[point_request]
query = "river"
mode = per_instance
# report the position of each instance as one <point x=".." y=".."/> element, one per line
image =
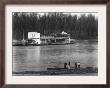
<point x="39" y="58"/>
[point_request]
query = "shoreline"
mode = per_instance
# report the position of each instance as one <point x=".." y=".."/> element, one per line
<point x="21" y="44"/>
<point x="41" y="44"/>
<point x="61" y="71"/>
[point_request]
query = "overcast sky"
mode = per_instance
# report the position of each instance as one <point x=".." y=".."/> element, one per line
<point x="72" y="13"/>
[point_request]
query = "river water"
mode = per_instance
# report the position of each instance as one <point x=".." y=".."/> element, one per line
<point x="39" y="58"/>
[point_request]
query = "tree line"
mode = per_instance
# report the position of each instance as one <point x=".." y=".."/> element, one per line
<point x="79" y="27"/>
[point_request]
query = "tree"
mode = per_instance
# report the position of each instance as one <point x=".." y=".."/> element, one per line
<point x="83" y="27"/>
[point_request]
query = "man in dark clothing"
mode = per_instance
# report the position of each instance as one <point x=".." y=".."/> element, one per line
<point x="65" y="65"/>
<point x="75" y="65"/>
<point x="69" y="63"/>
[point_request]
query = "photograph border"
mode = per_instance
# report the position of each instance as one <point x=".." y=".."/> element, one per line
<point x="3" y="3"/>
<point x="57" y="79"/>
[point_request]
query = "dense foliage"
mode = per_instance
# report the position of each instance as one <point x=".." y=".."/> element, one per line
<point x="79" y="27"/>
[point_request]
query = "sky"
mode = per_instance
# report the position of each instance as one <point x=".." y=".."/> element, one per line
<point x="72" y="13"/>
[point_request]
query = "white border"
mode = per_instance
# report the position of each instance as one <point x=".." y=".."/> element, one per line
<point x="100" y="79"/>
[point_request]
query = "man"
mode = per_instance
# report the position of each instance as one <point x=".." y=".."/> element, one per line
<point x="65" y="65"/>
